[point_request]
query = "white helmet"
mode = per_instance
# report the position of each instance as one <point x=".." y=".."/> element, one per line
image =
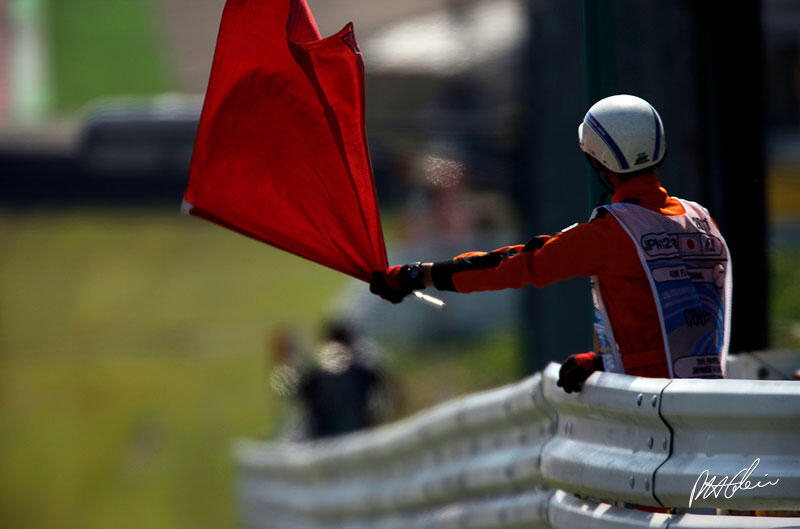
<point x="624" y="133"/>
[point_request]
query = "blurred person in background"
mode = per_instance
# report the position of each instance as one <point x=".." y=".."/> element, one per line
<point x="342" y="390"/>
<point x="659" y="268"/>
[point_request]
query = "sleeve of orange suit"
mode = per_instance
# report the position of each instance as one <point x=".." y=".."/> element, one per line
<point x="584" y="250"/>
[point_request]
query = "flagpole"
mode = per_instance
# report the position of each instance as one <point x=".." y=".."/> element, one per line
<point x="430" y="301"/>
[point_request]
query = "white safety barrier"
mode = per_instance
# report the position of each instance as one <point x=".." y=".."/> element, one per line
<point x="654" y="441"/>
<point x="468" y="460"/>
<point x="492" y="460"/>
<point x="744" y="429"/>
<point x="565" y="511"/>
<point x="610" y="439"/>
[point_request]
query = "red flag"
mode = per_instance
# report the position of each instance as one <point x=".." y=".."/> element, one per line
<point x="281" y="152"/>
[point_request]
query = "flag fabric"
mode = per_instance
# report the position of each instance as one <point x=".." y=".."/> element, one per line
<point x="281" y="152"/>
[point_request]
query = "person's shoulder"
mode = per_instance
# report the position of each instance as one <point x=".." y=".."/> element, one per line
<point x="602" y="219"/>
<point x="675" y="206"/>
<point x="604" y="228"/>
<point x="600" y="235"/>
<point x="599" y="213"/>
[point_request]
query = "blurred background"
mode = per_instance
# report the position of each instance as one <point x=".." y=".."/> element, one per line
<point x="137" y="343"/>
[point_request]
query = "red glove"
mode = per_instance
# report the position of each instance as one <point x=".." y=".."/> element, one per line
<point x="577" y="368"/>
<point x="396" y="282"/>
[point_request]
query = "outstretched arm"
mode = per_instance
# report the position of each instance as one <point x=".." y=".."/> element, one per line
<point x="585" y="250"/>
<point x="507" y="267"/>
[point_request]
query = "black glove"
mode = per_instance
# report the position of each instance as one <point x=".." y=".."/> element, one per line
<point x="577" y="368"/>
<point x="396" y="282"/>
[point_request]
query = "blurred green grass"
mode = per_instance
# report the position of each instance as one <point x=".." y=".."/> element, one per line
<point x="102" y="47"/>
<point x="785" y="298"/>
<point x="132" y="353"/>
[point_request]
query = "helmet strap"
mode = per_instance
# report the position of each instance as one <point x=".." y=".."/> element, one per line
<point x="599" y="170"/>
<point x="609" y="189"/>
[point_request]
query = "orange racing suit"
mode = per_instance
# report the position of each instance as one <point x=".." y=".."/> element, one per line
<point x="600" y="248"/>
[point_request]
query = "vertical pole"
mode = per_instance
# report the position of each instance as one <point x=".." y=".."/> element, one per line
<point x="600" y="77"/>
<point x="599" y="39"/>
<point x="731" y="95"/>
<point x="556" y="320"/>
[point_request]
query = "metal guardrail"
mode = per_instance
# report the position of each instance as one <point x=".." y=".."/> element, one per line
<point x="489" y="460"/>
<point x="610" y="439"/>
<point x="725" y="427"/>
<point x="659" y="442"/>
<point x="432" y="466"/>
<point x="566" y="511"/>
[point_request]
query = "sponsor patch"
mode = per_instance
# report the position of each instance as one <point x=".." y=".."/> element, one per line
<point x="655" y="244"/>
<point x="686" y="244"/>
